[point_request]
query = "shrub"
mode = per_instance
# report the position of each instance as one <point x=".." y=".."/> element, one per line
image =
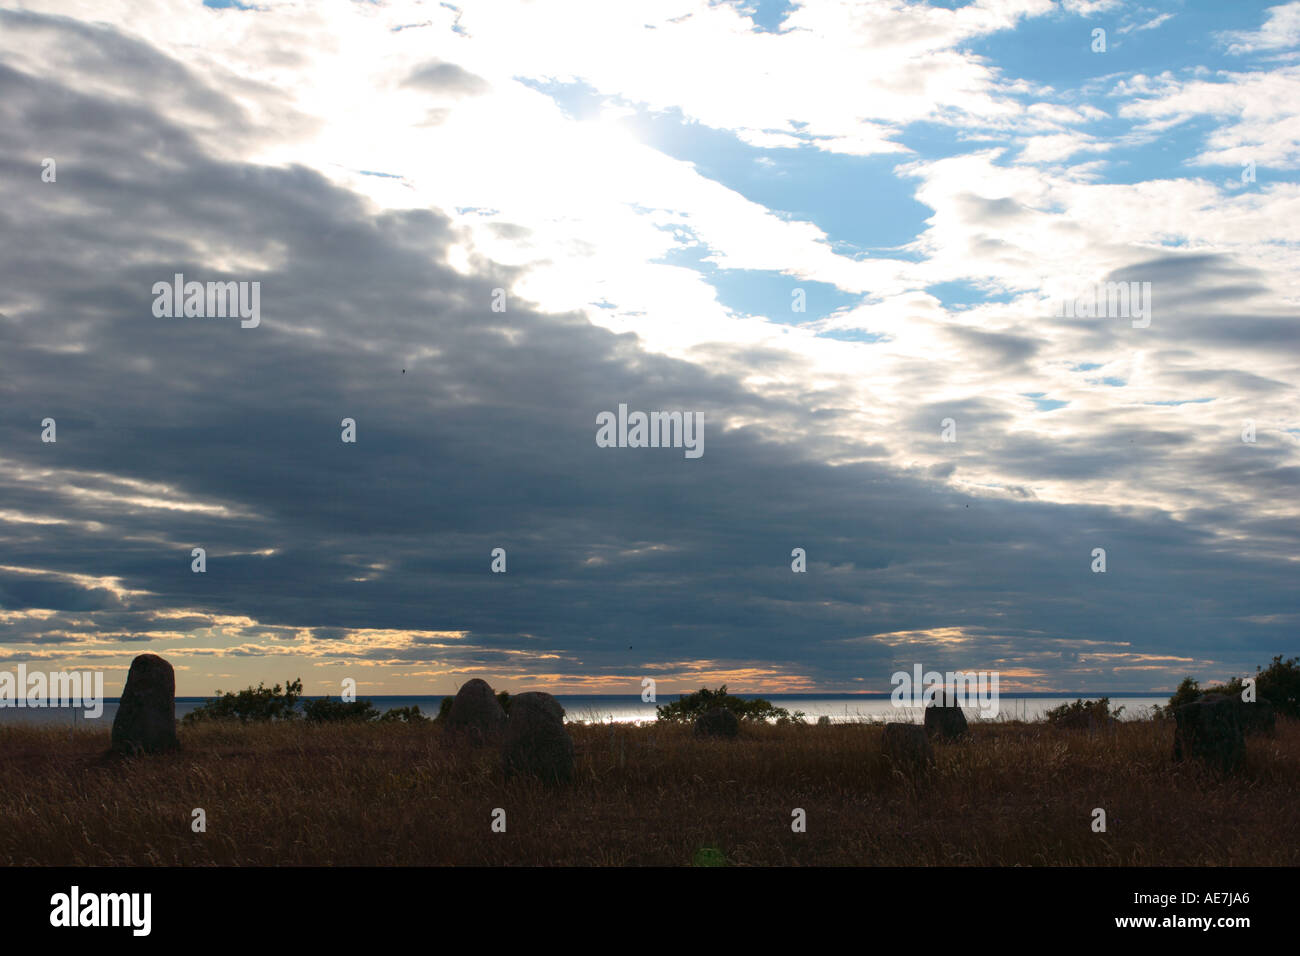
<point x="690" y="706"/>
<point x="406" y="715"/>
<point x="326" y="710"/>
<point x="1279" y="684"/>
<point x="1188" y="692"/>
<point x="1083" y="714"/>
<point x="252" y="703"/>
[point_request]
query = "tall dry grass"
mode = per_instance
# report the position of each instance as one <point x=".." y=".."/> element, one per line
<point x="296" y="794"/>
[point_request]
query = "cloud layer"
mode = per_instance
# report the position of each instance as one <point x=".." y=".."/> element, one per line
<point x="381" y="209"/>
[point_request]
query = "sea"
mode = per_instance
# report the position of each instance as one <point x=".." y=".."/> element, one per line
<point x="631" y="709"/>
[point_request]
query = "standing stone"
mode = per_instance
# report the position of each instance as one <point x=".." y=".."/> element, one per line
<point x="945" y="721"/>
<point x="536" y="741"/>
<point x="908" y="745"/>
<point x="1258" y="717"/>
<point x="1210" y="729"/>
<point x="476" y="714"/>
<point x="718" y="722"/>
<point x="146" y="717"/>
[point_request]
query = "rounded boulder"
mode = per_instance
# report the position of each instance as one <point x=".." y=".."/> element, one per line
<point x="476" y="713"/>
<point x="907" y="745"/>
<point x="536" y="741"/>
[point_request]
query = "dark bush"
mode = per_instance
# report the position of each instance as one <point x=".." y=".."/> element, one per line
<point x="406" y="715"/>
<point x="326" y="710"/>
<point x="1278" y="685"/>
<point x="687" y="708"/>
<point x="718" y="722"/>
<point x="444" y="707"/>
<point x="1188" y="691"/>
<point x="252" y="703"/>
<point x="1083" y="714"/>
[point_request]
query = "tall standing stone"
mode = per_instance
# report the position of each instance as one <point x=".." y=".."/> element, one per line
<point x="146" y="717"/>
<point x="946" y="721"/>
<point x="536" y="740"/>
<point x="1210" y="729"/>
<point x="1258" y="717"/>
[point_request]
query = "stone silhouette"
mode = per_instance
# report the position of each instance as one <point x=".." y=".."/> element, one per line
<point x="475" y="713"/>
<point x="946" y="721"/>
<point x="1258" y="717"/>
<point x="908" y="745"/>
<point x="146" y="717"/>
<point x="718" y="722"/>
<point x="536" y="741"/>
<point x="1210" y="729"/>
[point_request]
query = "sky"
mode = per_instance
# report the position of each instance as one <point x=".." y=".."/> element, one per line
<point x="851" y="236"/>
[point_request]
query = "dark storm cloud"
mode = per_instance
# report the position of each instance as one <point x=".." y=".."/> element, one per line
<point x="183" y="433"/>
<point x="21" y="592"/>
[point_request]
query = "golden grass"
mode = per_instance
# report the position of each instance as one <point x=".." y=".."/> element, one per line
<point x="296" y="794"/>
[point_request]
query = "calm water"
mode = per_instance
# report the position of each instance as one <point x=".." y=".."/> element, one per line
<point x="840" y="708"/>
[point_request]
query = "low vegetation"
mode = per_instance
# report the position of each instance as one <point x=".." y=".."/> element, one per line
<point x="688" y="707"/>
<point x="288" y="781"/>
<point x="294" y="792"/>
<point x="1083" y="715"/>
<point x="1278" y="684"/>
<point x="261" y="704"/>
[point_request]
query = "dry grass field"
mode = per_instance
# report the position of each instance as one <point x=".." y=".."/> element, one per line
<point x="298" y="794"/>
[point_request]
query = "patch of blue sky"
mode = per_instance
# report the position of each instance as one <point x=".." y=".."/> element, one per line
<point x="1171" y="154"/>
<point x="1085" y="367"/>
<point x="1184" y="401"/>
<point x="762" y="292"/>
<point x="768" y="15"/>
<point x="962" y="293"/>
<point x="1110" y="380"/>
<point x="931" y="139"/>
<point x="1140" y="157"/>
<point x="858" y="201"/>
<point x="576" y="100"/>
<point x="1044" y="404"/>
<point x="1057" y="49"/>
<point x="853" y="335"/>
<point x="228" y="5"/>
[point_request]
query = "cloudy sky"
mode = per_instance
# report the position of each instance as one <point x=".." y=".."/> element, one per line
<point x="657" y="187"/>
